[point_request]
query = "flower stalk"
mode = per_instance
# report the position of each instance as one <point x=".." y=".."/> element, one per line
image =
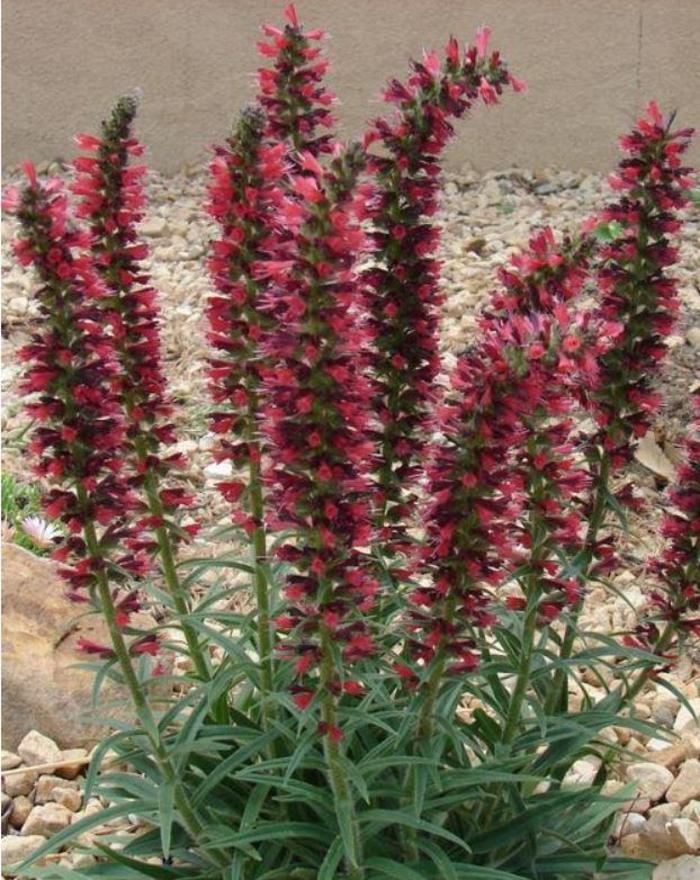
<point x="111" y="200"/>
<point x="401" y="288"/>
<point x="638" y="294"/>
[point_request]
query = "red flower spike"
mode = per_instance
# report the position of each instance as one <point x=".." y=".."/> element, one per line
<point x="112" y="200"/>
<point x="316" y="389"/>
<point x="238" y="201"/>
<point x="402" y="288"/>
<point x="293" y="106"/>
<point x="292" y="94"/>
<point x="652" y="185"/>
<point x="78" y="443"/>
<point x="506" y="457"/>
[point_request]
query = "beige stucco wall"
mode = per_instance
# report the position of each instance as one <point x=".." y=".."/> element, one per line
<point x="590" y="65"/>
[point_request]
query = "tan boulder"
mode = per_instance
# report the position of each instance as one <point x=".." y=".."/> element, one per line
<point x="69" y="798"/>
<point x="45" y="785"/>
<point x="652" y="779"/>
<point x="9" y="760"/>
<point x="42" y="688"/>
<point x="70" y="771"/>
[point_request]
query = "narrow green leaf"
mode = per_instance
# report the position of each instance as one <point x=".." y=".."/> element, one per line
<point x="331" y="861"/>
<point x="382" y="818"/>
<point x="345" y="817"/>
<point x="390" y="868"/>
<point x="269" y="831"/>
<point x="143" y="868"/>
<point x="439" y="859"/>
<point x="240" y="756"/>
<point x="63" y="837"/>
<point x="479" y="872"/>
<point x="166" y="805"/>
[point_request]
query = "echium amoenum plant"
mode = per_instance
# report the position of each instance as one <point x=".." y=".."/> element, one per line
<point x="390" y="696"/>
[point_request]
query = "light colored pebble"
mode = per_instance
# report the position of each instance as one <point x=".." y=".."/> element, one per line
<point x="21" y="809"/>
<point x="684" y="718"/>
<point x="20" y="783"/>
<point x="70" y="771"/>
<point x="68" y="797"/>
<point x="16" y="848"/>
<point x="47" y="820"/>
<point x="682" y="868"/>
<point x="45" y="786"/>
<point x="686" y="786"/>
<point x="36" y="748"/>
<point x="10" y="760"/>
<point x="652" y="780"/>
<point x="154" y="227"/>
<point x="684" y="836"/>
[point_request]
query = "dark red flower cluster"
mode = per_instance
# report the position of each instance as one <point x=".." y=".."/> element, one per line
<point x="636" y="289"/>
<point x="504" y="484"/>
<point x="111" y="200"/>
<point x="678" y="568"/>
<point x="292" y="94"/>
<point x="316" y="412"/>
<point x="72" y="374"/>
<point x="402" y="287"/>
<point x="540" y="286"/>
<point x="237" y="201"/>
<point x="292" y="106"/>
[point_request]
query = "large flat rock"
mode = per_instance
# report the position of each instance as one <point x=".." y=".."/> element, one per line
<point x="42" y="688"/>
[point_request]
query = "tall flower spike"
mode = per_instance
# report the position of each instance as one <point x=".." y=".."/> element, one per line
<point x="73" y="370"/>
<point x="242" y="173"/>
<point x="237" y="201"/>
<point x="540" y="286"/>
<point x="502" y="483"/>
<point x="402" y="286"/>
<point x="316" y="418"/>
<point x="296" y="103"/>
<point x="292" y="105"/>
<point x="111" y="200"/>
<point x="636" y="289"/>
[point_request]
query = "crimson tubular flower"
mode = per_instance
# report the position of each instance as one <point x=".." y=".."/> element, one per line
<point x="316" y="418"/>
<point x="111" y="200"/>
<point x="72" y="372"/>
<point x="402" y="287"/>
<point x="636" y="290"/>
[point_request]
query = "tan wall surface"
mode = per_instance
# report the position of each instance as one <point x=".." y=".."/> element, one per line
<point x="591" y="65"/>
